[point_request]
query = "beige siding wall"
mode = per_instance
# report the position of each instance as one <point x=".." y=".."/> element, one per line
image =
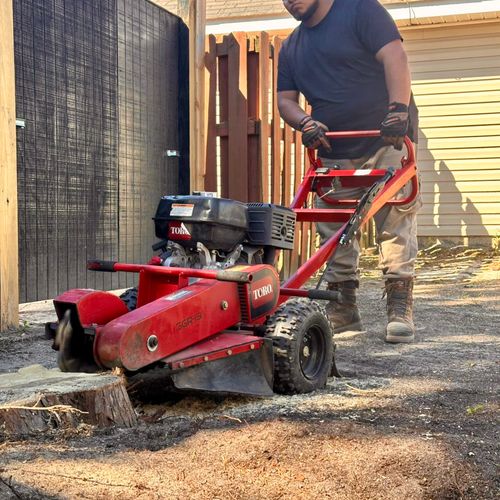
<point x="456" y="75"/>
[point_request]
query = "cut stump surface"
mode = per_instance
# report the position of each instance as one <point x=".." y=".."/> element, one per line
<point x="36" y="399"/>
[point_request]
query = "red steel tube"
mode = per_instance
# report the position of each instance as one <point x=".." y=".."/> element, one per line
<point x="238" y="277"/>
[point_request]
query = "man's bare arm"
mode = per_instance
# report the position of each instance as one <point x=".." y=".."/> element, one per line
<point x="397" y="72"/>
<point x="398" y="82"/>
<point x="290" y="111"/>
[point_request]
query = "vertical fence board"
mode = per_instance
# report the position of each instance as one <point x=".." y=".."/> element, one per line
<point x="237" y="123"/>
<point x="223" y="116"/>
<point x="286" y="180"/>
<point x="211" y="152"/>
<point x="265" y="130"/>
<point x="304" y="241"/>
<point x="286" y="186"/>
<point x="297" y="177"/>
<point x="276" y="130"/>
<point x="312" y="240"/>
<point x="254" y="175"/>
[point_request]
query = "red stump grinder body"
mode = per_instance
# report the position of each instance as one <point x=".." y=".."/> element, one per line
<point x="211" y="309"/>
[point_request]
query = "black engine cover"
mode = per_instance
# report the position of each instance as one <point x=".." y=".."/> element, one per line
<point x="218" y="223"/>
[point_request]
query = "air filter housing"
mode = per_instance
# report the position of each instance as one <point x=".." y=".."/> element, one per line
<point x="271" y="225"/>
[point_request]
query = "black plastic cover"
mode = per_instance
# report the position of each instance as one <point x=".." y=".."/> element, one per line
<point x="218" y="223"/>
<point x="271" y="225"/>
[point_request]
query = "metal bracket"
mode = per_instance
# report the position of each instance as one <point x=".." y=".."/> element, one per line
<point x="172" y="153"/>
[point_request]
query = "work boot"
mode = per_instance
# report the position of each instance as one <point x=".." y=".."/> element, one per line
<point x="344" y="316"/>
<point x="400" y="326"/>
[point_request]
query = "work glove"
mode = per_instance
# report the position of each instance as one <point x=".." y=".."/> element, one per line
<point x="395" y="125"/>
<point x="313" y="134"/>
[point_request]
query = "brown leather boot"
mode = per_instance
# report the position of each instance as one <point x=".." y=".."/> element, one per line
<point x="344" y="316"/>
<point x="400" y="326"/>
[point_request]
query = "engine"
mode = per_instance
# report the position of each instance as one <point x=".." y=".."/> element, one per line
<point x="206" y="232"/>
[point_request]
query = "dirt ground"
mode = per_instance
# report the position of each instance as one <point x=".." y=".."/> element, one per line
<point x="416" y="421"/>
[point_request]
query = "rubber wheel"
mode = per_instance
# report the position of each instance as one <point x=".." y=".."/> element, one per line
<point x="129" y="297"/>
<point x="303" y="346"/>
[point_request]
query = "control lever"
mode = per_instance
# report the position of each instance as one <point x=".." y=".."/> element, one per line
<point x="364" y="205"/>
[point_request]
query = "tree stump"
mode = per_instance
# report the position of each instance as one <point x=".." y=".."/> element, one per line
<point x="36" y="399"/>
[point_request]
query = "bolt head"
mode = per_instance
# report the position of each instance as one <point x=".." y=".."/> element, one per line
<point x="152" y="343"/>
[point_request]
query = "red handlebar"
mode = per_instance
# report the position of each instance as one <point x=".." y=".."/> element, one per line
<point x="350" y="134"/>
<point x="353" y="133"/>
<point x="405" y="161"/>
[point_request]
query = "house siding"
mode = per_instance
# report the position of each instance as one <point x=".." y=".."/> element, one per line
<point x="456" y="82"/>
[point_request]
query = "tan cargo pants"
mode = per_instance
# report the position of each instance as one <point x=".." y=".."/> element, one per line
<point x="396" y="226"/>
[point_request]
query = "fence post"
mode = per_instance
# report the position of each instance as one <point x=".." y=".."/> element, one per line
<point x="9" y="270"/>
<point x="193" y="13"/>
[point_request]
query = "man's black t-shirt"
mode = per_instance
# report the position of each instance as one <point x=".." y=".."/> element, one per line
<point x="333" y="64"/>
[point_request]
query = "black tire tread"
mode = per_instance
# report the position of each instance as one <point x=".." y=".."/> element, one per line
<point x="129" y="297"/>
<point x="284" y="328"/>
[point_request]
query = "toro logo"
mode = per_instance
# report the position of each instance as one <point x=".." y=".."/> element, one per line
<point x="262" y="291"/>
<point x="178" y="231"/>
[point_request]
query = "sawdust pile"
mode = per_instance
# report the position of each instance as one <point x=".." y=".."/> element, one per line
<point x="266" y="460"/>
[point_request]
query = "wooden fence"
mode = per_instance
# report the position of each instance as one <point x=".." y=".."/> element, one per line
<point x="252" y="155"/>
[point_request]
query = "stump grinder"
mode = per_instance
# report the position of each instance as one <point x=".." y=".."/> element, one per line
<point x="210" y="308"/>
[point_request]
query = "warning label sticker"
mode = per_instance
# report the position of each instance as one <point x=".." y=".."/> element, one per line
<point x="181" y="210"/>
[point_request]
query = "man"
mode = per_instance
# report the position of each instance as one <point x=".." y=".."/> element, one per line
<point x="347" y="58"/>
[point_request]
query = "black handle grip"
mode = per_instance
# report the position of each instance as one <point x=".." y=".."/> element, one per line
<point x="107" y="266"/>
<point x="324" y="295"/>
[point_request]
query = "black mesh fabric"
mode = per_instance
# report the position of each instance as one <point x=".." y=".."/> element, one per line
<point x="97" y="82"/>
